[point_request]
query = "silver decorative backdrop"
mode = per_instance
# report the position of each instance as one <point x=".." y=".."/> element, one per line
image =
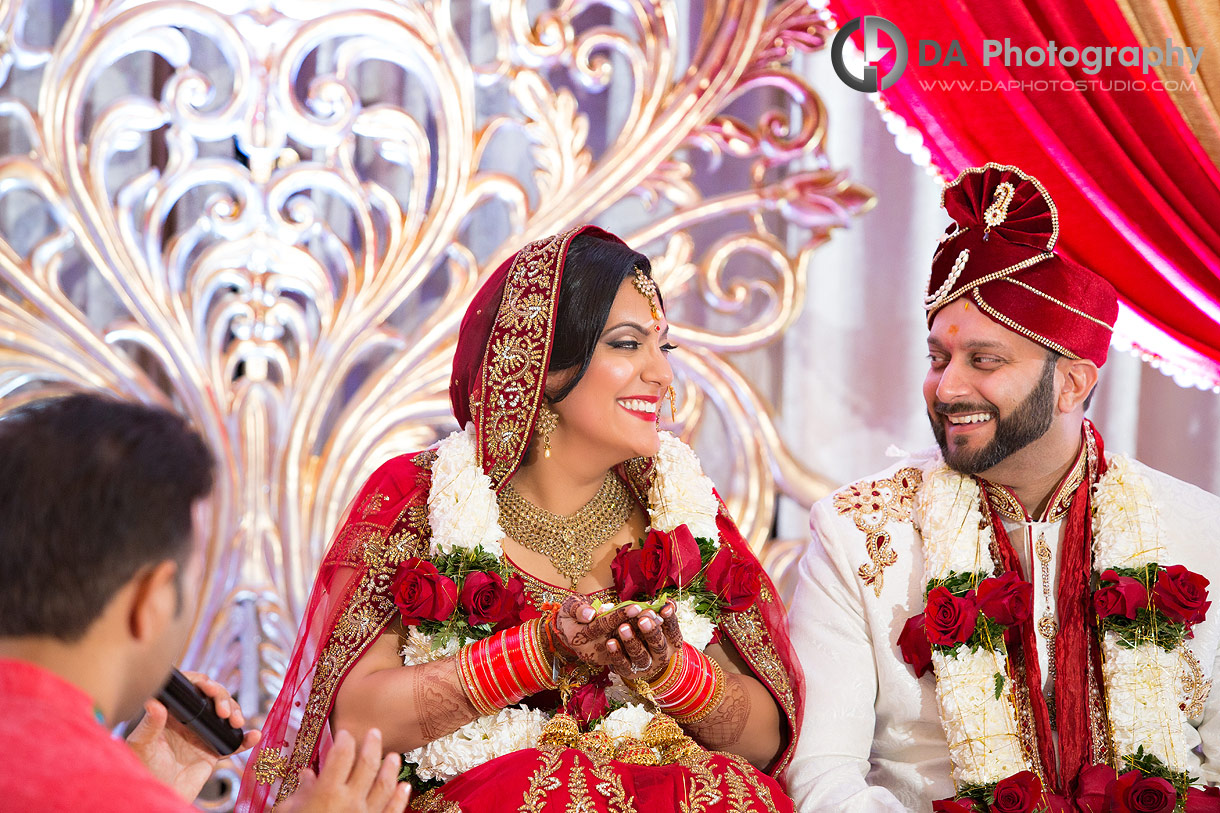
<point x="269" y="215"/>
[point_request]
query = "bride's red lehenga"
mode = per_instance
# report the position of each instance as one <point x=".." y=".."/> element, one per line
<point x="498" y="373"/>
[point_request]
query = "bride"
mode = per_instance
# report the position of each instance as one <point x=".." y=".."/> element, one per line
<point x="550" y="606"/>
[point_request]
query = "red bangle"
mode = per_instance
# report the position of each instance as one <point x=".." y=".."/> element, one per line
<point x="690" y="687"/>
<point x="499" y="671"/>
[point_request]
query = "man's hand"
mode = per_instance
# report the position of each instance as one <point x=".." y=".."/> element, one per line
<point x="351" y="782"/>
<point x="172" y="753"/>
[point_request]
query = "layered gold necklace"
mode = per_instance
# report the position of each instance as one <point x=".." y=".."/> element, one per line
<point x="568" y="542"/>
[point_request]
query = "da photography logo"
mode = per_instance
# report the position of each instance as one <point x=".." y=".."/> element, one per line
<point x="874" y="50"/>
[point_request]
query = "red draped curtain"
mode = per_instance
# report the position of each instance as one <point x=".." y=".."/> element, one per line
<point x="1129" y="152"/>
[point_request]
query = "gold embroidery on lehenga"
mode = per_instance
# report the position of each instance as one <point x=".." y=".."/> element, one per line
<point x="736" y="796"/>
<point x="761" y="791"/>
<point x="705" y="791"/>
<point x="610" y="786"/>
<point x="872" y="504"/>
<point x="543" y="781"/>
<point x="579" y="800"/>
<point x="434" y="801"/>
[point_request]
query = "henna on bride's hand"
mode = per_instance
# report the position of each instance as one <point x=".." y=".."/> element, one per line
<point x="633" y="648"/>
<point x="441" y="701"/>
<point x="725" y="725"/>
<point x="651" y="633"/>
<point x="670" y="625"/>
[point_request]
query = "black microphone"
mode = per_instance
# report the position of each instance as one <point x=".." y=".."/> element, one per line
<point x="194" y="709"/>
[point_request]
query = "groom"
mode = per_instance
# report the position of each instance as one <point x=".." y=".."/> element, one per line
<point x="1004" y="623"/>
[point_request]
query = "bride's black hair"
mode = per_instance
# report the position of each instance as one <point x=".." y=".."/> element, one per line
<point x="592" y="274"/>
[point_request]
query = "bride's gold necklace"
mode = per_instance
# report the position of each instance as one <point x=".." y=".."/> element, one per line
<point x="568" y="542"/>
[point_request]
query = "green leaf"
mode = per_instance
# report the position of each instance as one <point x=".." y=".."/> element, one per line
<point x="999" y="685"/>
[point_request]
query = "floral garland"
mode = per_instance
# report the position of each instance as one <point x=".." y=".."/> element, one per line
<point x="1145" y="612"/>
<point x="464" y="591"/>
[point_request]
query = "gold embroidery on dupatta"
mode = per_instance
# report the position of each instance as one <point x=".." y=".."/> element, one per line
<point x="514" y="361"/>
<point x="269" y="767"/>
<point x="872" y="504"/>
<point x="369" y="608"/>
<point x="749" y="634"/>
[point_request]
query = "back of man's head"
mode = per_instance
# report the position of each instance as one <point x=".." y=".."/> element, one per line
<point x="92" y="489"/>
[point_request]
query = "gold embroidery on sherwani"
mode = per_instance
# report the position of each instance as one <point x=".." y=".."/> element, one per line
<point x="872" y="504"/>
<point x="1196" y="687"/>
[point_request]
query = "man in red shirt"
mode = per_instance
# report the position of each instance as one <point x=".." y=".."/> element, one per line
<point x="101" y="507"/>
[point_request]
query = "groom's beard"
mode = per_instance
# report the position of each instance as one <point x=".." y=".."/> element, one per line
<point x="1029" y="421"/>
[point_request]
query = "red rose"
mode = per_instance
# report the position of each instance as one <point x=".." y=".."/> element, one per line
<point x="1006" y="599"/>
<point x="1123" y="597"/>
<point x="1136" y="793"/>
<point x="1093" y="790"/>
<point x="589" y="702"/>
<point x="489" y="600"/>
<point x="1181" y="594"/>
<point x="627" y="573"/>
<point x="1017" y="794"/>
<point x="670" y="559"/>
<point x="949" y="619"/>
<point x="421" y="593"/>
<point x="735" y="579"/>
<point x="955" y="806"/>
<point x="913" y="643"/>
<point x="1203" y="800"/>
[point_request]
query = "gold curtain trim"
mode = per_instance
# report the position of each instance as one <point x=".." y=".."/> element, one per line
<point x="1187" y="23"/>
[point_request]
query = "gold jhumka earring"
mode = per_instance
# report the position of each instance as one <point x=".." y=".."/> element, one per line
<point x="548" y="420"/>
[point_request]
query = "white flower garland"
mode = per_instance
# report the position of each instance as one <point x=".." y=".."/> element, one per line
<point x="980" y="728"/>
<point x="1143" y="684"/>
<point x="464" y="515"/>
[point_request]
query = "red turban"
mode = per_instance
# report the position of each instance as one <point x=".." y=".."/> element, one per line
<point x="1000" y="252"/>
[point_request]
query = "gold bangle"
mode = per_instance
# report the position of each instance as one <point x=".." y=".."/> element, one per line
<point x="673" y="672"/>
